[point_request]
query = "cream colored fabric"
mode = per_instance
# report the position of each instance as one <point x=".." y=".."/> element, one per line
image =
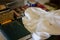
<point x="42" y="21"/>
<point x="30" y="19"/>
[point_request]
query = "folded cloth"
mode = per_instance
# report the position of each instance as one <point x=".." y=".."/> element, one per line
<point x="38" y="20"/>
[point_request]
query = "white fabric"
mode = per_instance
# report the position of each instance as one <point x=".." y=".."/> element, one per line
<point x="30" y="20"/>
<point x="37" y="20"/>
<point x="40" y="36"/>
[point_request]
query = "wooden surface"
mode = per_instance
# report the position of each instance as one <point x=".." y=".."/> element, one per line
<point x="6" y="16"/>
<point x="2" y="7"/>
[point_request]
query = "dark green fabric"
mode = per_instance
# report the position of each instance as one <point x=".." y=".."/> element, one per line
<point x="15" y="30"/>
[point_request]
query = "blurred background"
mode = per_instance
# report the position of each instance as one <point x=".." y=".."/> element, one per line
<point x="12" y="4"/>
